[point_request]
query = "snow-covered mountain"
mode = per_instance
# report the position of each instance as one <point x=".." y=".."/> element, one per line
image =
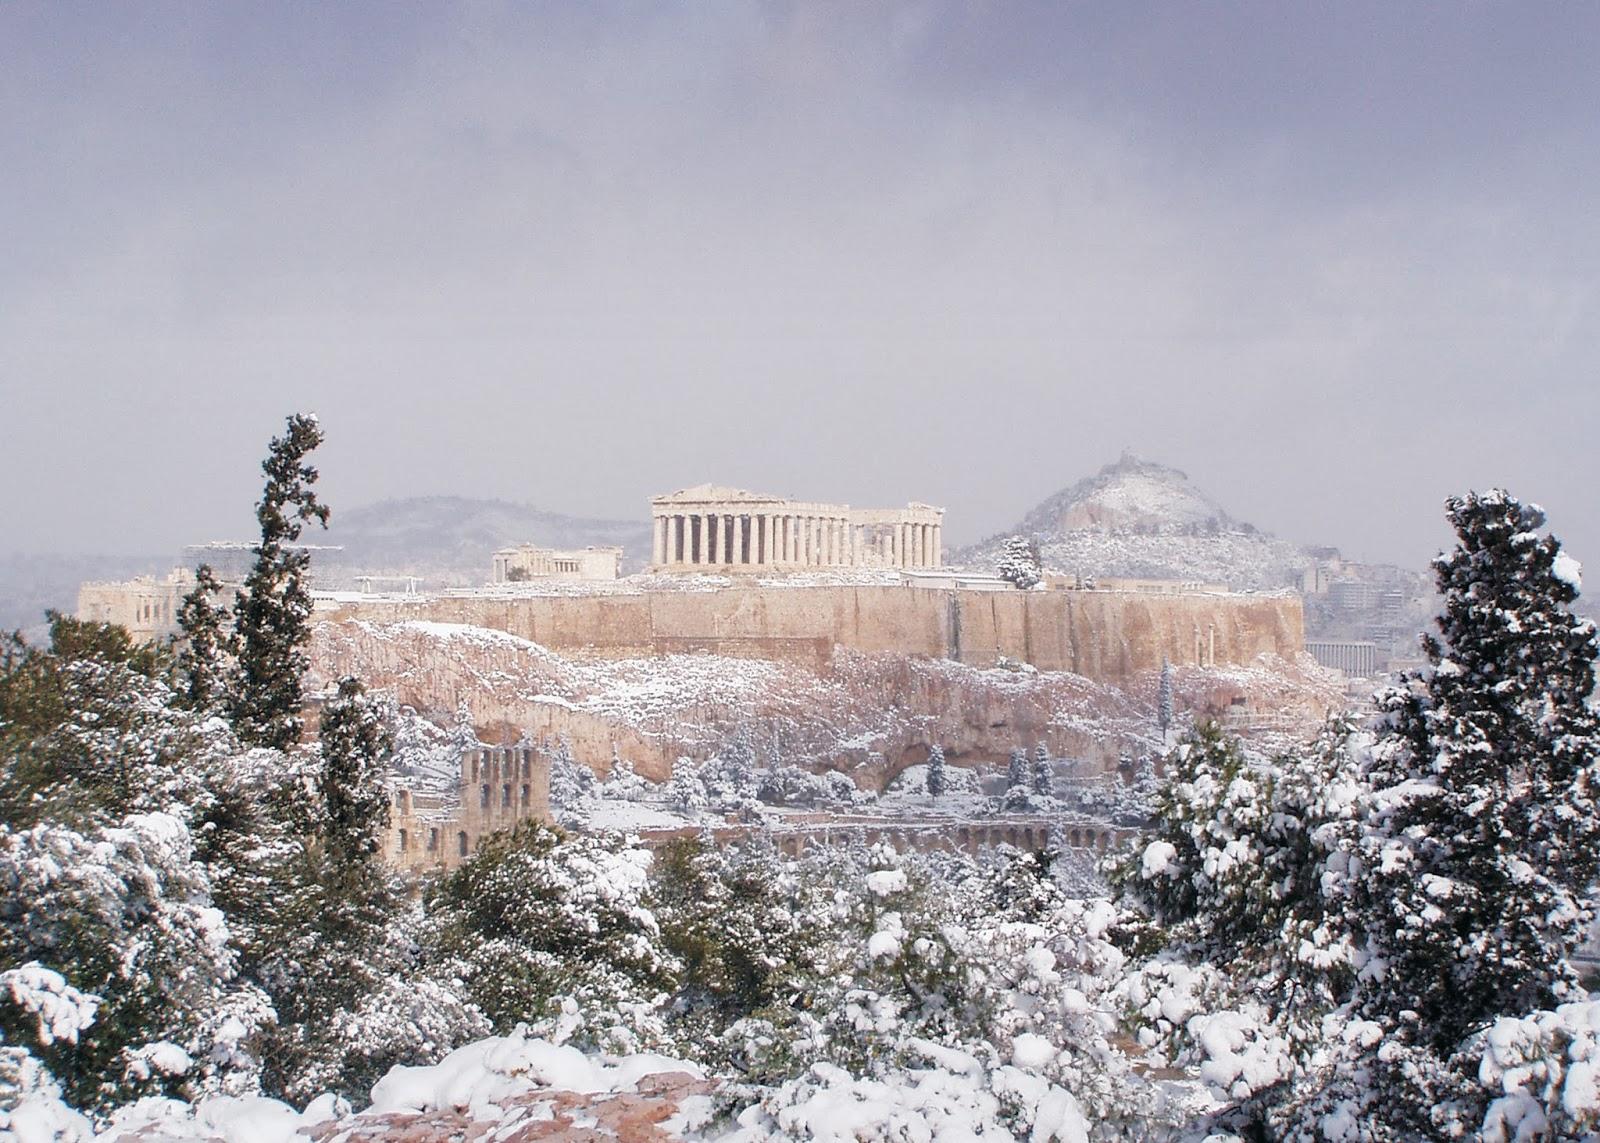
<point x="1136" y="518"/>
<point x="453" y="537"/>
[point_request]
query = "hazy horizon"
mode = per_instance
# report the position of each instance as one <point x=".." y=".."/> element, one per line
<point x="1335" y="264"/>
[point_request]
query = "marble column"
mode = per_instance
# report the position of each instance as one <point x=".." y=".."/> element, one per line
<point x="738" y="540"/>
<point x="938" y="545"/>
<point x="658" y="547"/>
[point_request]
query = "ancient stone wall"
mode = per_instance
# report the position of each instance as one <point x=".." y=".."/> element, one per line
<point x="1104" y="635"/>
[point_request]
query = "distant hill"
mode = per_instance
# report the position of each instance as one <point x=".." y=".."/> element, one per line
<point x="452" y="538"/>
<point x="1136" y="518"/>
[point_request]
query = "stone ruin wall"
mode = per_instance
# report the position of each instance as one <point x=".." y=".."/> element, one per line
<point x="1103" y="635"/>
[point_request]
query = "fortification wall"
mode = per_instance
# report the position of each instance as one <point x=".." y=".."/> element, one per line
<point x="1104" y="635"/>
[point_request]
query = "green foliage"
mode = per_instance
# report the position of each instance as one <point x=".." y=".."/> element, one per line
<point x="726" y="923"/>
<point x="272" y="612"/>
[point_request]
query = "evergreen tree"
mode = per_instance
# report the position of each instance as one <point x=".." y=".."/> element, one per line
<point x="1017" y="769"/>
<point x="1020" y="563"/>
<point x="1472" y="879"/>
<point x="355" y="748"/>
<point x="205" y="644"/>
<point x="1018" y="785"/>
<point x="272" y="612"/>
<point x="936" y="776"/>
<point x="1043" y="776"/>
<point x="1164" y="698"/>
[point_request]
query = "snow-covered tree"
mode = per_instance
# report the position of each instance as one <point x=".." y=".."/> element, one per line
<point x="554" y="930"/>
<point x="1486" y="828"/>
<point x="273" y="611"/>
<point x="356" y="746"/>
<point x="206" y="643"/>
<point x="1043" y="775"/>
<point x="1469" y="874"/>
<point x="1017" y="769"/>
<point x="128" y="985"/>
<point x="1020" y="563"/>
<point x="727" y="916"/>
<point x="685" y="791"/>
<point x="1233" y="865"/>
<point x="936" y="775"/>
<point x="570" y="783"/>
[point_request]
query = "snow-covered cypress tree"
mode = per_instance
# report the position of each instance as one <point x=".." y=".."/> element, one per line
<point x="272" y="612"/>
<point x="355" y="745"/>
<point x="205" y="645"/>
<point x="936" y="778"/>
<point x="1485" y="832"/>
<point x="1164" y="698"/>
<point x="1043" y="776"/>
<point x="1017" y="769"/>
<point x="1019" y="562"/>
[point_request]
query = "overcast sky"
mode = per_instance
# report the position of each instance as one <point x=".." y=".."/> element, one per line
<point x="1336" y="261"/>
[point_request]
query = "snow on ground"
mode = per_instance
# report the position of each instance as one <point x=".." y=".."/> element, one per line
<point x="512" y="1087"/>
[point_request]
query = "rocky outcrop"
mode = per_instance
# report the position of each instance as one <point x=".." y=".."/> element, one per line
<point x="868" y="715"/>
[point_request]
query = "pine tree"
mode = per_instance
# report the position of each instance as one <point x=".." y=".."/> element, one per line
<point x="1020" y="563"/>
<point x="1484" y="827"/>
<point x="272" y="612"/>
<point x="355" y="747"/>
<point x="1164" y="698"/>
<point x="1043" y="776"/>
<point x="936" y="776"/>
<point x="205" y="644"/>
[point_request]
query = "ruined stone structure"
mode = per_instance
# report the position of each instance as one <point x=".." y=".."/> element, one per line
<point x="1107" y="636"/>
<point x="146" y="606"/>
<point x="499" y="788"/>
<point x="732" y="530"/>
<point x="527" y="562"/>
<point x="1032" y="833"/>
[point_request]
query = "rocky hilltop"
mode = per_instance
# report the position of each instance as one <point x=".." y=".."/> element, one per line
<point x="1139" y="519"/>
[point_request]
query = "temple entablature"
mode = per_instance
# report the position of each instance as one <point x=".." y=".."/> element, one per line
<point x="729" y="529"/>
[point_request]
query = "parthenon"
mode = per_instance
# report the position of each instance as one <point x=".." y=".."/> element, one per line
<point x="708" y="526"/>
